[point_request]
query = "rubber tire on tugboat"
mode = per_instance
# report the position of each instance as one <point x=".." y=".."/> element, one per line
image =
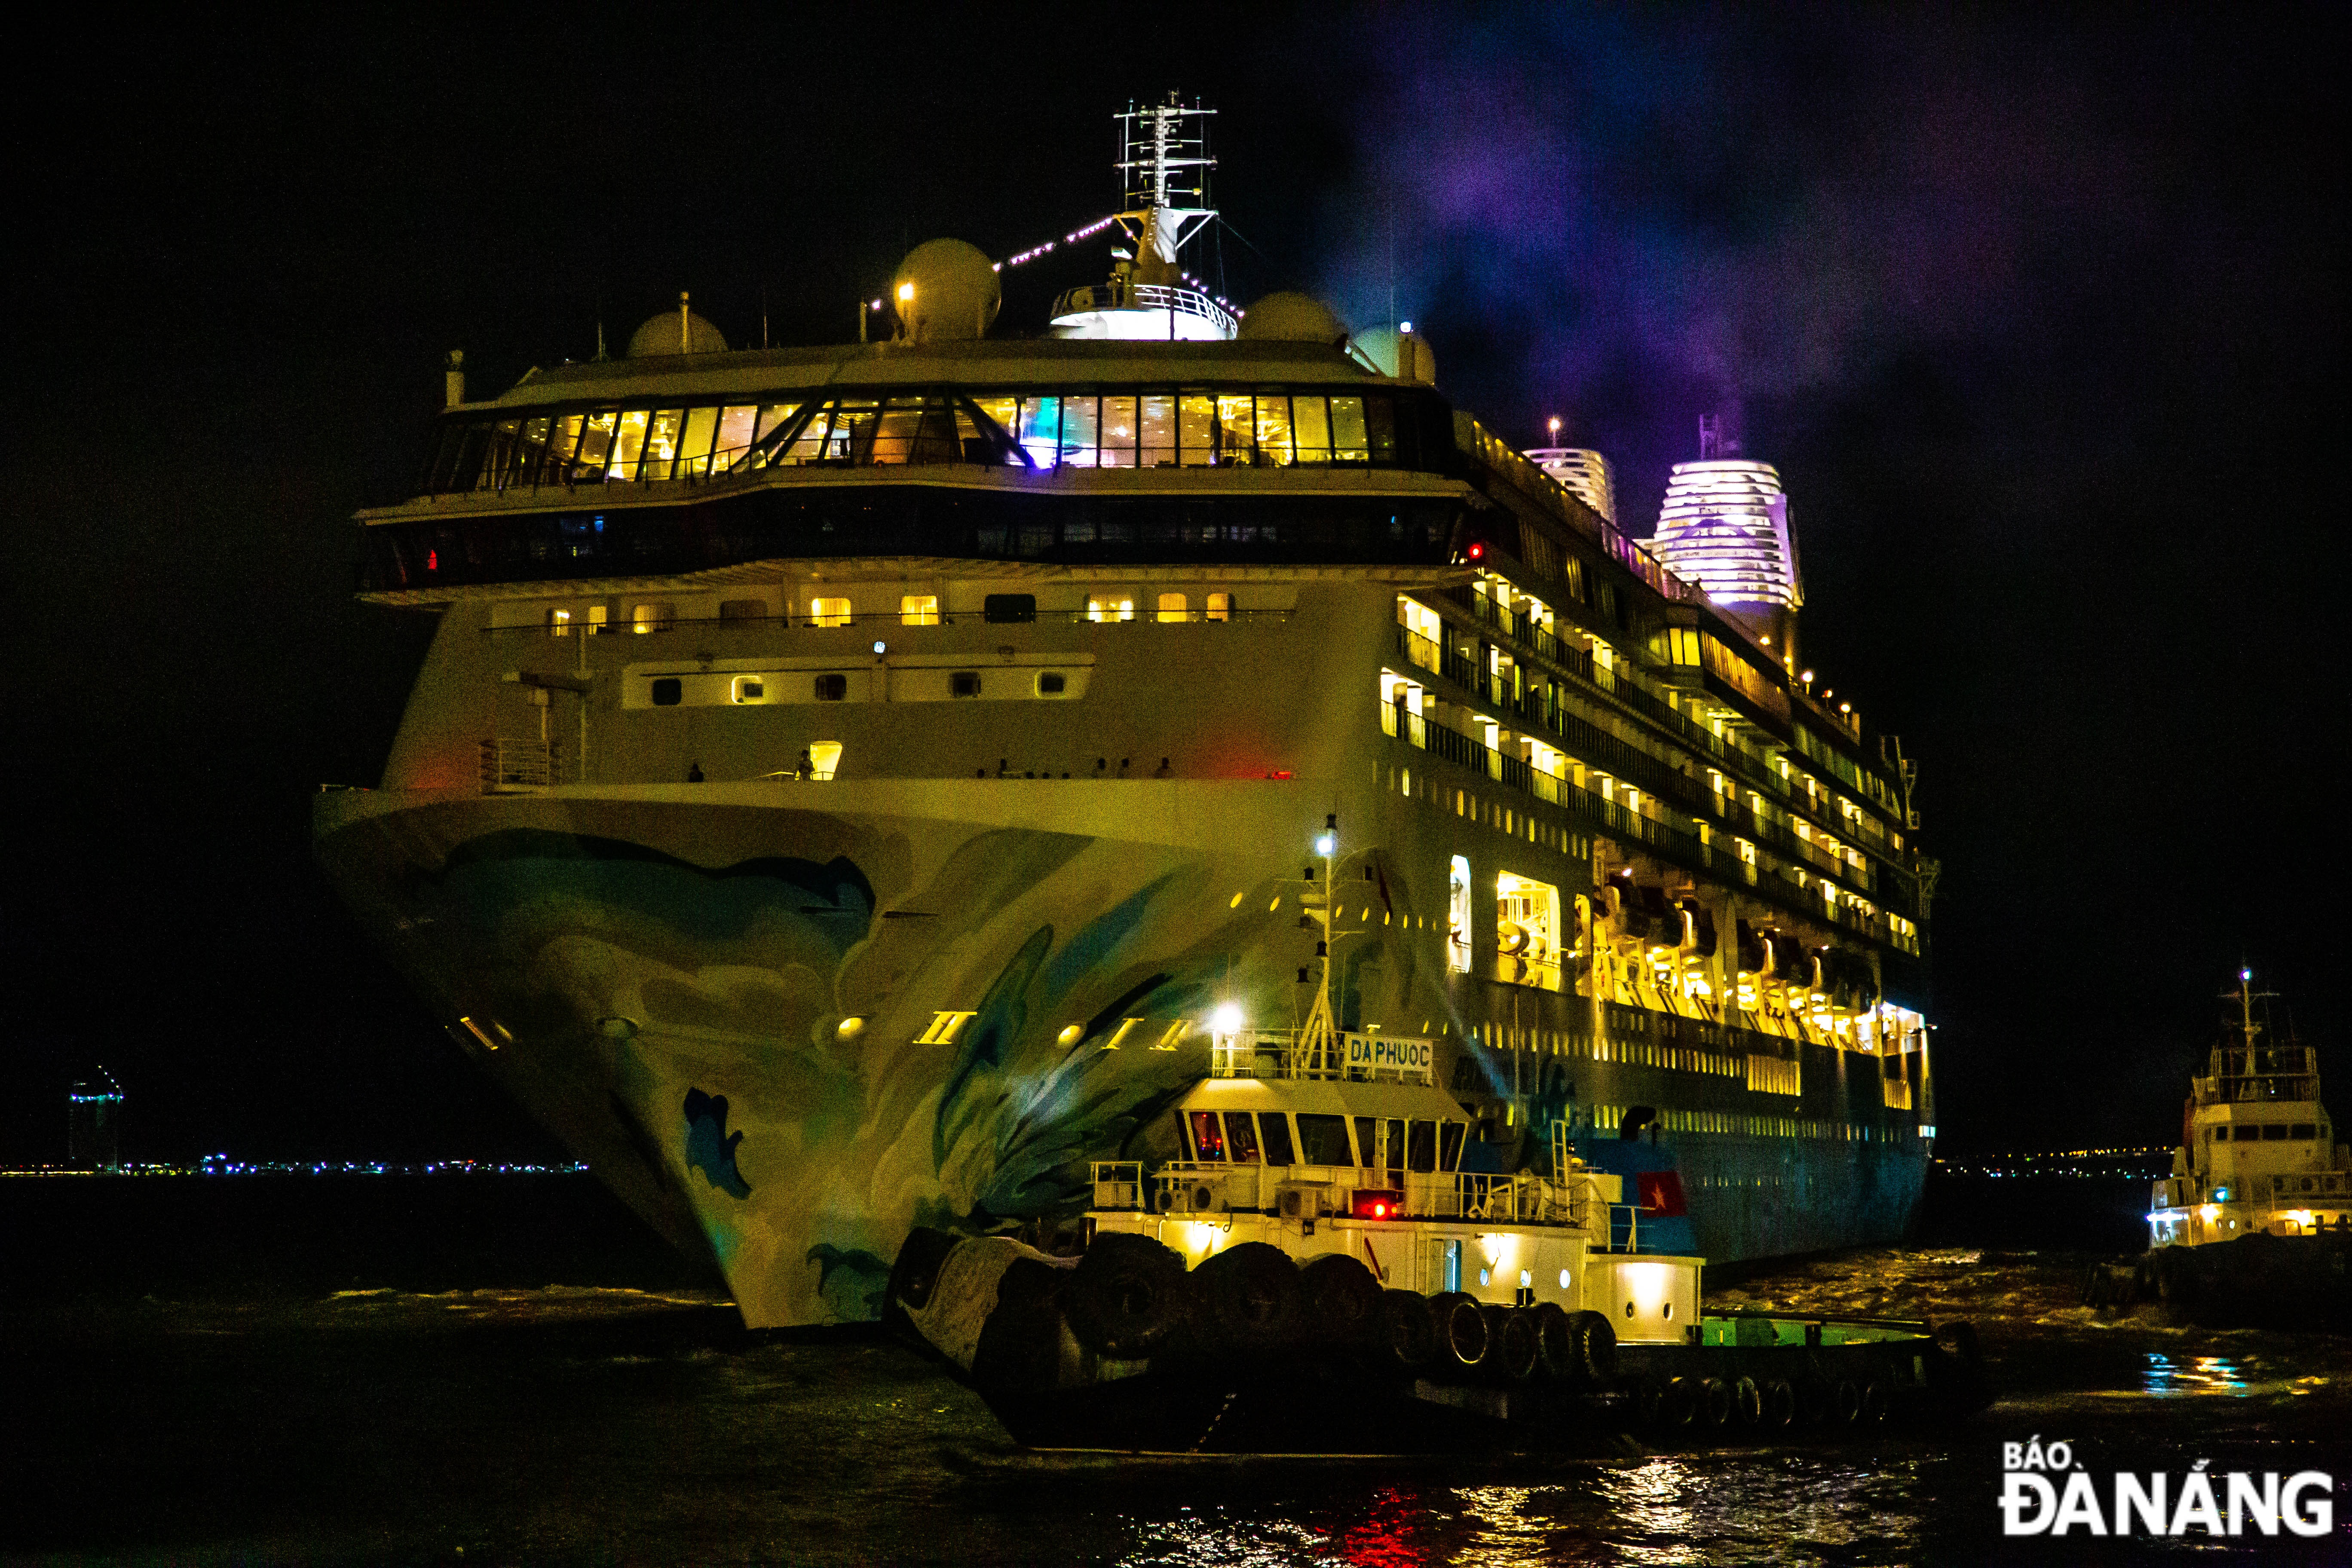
<point x="1874" y="1403"/>
<point x="1714" y="1403"/>
<point x="1020" y="1347"/>
<point x="1843" y="1406"/>
<point x="1555" y="1339"/>
<point x="1956" y="1366"/>
<point x="1343" y="1299"/>
<point x="1777" y="1411"/>
<point x="1458" y="1326"/>
<point x="1746" y="1403"/>
<point x="1127" y="1297"/>
<point x="1666" y="1409"/>
<point x="1516" y="1351"/>
<point x="1248" y="1298"/>
<point x="1596" y="1349"/>
<point x="1404" y="1335"/>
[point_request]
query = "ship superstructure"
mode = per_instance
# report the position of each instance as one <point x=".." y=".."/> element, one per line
<point x="2259" y="1154"/>
<point x="838" y="793"/>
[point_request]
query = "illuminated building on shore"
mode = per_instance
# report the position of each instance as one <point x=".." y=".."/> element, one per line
<point x="94" y="1124"/>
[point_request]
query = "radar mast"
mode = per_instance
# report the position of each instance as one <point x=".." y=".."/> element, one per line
<point x="1164" y="164"/>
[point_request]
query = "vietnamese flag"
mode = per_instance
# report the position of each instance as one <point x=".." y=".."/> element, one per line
<point x="1661" y="1192"/>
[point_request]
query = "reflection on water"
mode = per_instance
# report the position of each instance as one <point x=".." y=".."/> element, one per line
<point x="562" y="1424"/>
<point x="2169" y="1376"/>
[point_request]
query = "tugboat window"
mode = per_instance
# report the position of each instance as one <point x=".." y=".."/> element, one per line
<point x="1422" y="1146"/>
<point x="1323" y="1141"/>
<point x="1277" y="1128"/>
<point x="1208" y="1138"/>
<point x="1241" y="1137"/>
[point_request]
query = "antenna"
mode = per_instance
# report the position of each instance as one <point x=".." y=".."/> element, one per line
<point x="1710" y="436"/>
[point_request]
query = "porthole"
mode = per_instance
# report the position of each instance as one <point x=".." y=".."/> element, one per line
<point x="1669" y="1313"/>
<point x="1563" y="1279"/>
<point x="1628" y="1309"/>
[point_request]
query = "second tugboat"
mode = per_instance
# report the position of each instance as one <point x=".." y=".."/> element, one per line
<point x="2253" y="1226"/>
<point x="1336" y="1264"/>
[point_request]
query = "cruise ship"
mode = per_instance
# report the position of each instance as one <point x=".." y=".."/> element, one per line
<point x="847" y="782"/>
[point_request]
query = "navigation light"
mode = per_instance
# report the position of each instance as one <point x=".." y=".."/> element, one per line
<point x="1324" y="843"/>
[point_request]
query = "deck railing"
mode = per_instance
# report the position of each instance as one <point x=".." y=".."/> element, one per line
<point x="511" y="764"/>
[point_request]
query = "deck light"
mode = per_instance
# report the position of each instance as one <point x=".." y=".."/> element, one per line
<point x="906" y="293"/>
<point x="1325" y="842"/>
<point x="1226" y="1020"/>
<point x="881" y="648"/>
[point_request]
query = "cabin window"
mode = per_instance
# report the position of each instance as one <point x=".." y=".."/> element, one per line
<point x="964" y="683"/>
<point x="559" y="623"/>
<point x="1273" y="428"/>
<point x="742" y="609"/>
<point x="828" y="612"/>
<point x="2303" y="1130"/>
<point x="1348" y="441"/>
<point x="663" y="433"/>
<point x="628" y="444"/>
<point x="1236" y="430"/>
<point x="2275" y="1132"/>
<point x="1241" y="1137"/>
<point x="1323" y="1141"/>
<point x="667" y="690"/>
<point x="1008" y="608"/>
<point x="1310" y="427"/>
<point x="1196" y="426"/>
<point x="832" y="687"/>
<point x="1119" y="432"/>
<point x="918" y="610"/>
<point x="1208" y="1138"/>
<point x="1457" y="915"/>
<point x="651" y="617"/>
<point x="749" y="689"/>
<point x="1174" y="608"/>
<point x="734" y="434"/>
<point x="1052" y="683"/>
<point x="1221" y="607"/>
<point x="1449" y="1145"/>
<point x="1526" y="936"/>
<point x="1422" y="1146"/>
<point x="1158" y="427"/>
<point x="1111" y="606"/>
<point x="1277" y="1128"/>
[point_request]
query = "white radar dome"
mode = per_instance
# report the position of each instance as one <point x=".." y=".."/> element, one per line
<point x="679" y="331"/>
<point x="1399" y="352"/>
<point x="1289" y="317"/>
<point x="946" y="292"/>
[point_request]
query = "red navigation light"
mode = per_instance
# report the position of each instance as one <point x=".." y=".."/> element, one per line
<point x="1377" y="1205"/>
<point x="1477" y="550"/>
<point x="1279" y="773"/>
<point x="433" y="561"/>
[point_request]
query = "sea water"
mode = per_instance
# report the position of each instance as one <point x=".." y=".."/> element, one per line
<point x="508" y="1369"/>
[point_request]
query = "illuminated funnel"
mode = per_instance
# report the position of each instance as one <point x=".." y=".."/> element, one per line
<point x="1585" y="475"/>
<point x="1724" y="527"/>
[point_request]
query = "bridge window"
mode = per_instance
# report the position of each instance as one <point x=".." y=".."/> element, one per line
<point x="1118" y="426"/>
<point x="1277" y="1128"/>
<point x="1449" y="1144"/>
<point x="828" y="612"/>
<point x="1422" y="1146"/>
<point x="734" y="436"/>
<point x="1323" y="1141"/>
<point x="1208" y="1137"/>
<point x="1241" y="1137"/>
<point x="1157" y="425"/>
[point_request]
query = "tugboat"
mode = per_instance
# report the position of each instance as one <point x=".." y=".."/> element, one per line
<point x="1334" y="1263"/>
<point x="2254" y="1227"/>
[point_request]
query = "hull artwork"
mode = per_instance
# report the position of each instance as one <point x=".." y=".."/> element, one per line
<point x="800" y="1033"/>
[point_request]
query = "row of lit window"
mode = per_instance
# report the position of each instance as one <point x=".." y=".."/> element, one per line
<point x="914" y="610"/>
<point x="1191" y="429"/>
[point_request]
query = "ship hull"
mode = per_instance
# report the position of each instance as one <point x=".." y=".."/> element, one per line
<point x="786" y="1023"/>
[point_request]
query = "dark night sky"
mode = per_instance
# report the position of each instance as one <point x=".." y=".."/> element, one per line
<point x="2042" y="322"/>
